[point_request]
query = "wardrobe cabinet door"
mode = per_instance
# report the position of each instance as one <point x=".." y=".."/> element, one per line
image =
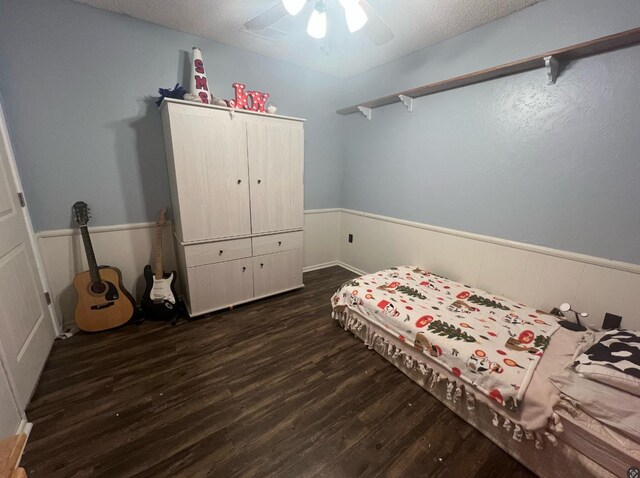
<point x="277" y="272"/>
<point x="219" y="285"/>
<point x="276" y="161"/>
<point x="210" y="173"/>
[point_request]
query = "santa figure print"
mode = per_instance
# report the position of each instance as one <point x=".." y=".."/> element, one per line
<point x="388" y="308"/>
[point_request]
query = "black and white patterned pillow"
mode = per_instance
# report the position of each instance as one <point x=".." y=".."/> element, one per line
<point x="614" y="360"/>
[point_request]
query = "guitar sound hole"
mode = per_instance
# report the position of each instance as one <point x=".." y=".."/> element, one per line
<point x="98" y="287"/>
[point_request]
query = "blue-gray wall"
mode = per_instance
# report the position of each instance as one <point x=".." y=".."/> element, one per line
<point x="78" y="86"/>
<point x="557" y="166"/>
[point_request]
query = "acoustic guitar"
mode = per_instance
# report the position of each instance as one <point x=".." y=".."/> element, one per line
<point x="103" y="302"/>
<point x="159" y="298"/>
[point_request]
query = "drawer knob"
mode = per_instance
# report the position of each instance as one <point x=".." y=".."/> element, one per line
<point x="279" y="243"/>
<point x="259" y="181"/>
<point x="220" y="253"/>
<point x="239" y="181"/>
<point x="261" y="265"/>
<point x="244" y="268"/>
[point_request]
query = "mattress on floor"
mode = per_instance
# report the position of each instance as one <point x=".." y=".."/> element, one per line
<point x="490" y="343"/>
<point x="593" y="447"/>
<point x="599" y="420"/>
<point x="612" y="450"/>
<point x="544" y="452"/>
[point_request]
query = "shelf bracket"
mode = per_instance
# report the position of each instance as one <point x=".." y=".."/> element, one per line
<point x="366" y="112"/>
<point x="407" y="101"/>
<point x="552" y="65"/>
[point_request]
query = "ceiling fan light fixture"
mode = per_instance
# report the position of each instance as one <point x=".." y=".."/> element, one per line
<point x="293" y="7"/>
<point x="354" y="14"/>
<point x="348" y="3"/>
<point x="317" y="26"/>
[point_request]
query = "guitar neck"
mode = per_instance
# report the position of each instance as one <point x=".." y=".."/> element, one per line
<point x="91" y="257"/>
<point x="159" y="271"/>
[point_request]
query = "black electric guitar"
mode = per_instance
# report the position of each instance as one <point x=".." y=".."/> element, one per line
<point x="103" y="302"/>
<point x="159" y="300"/>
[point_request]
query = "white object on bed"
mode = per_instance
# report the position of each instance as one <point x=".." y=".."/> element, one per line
<point x="613" y="360"/>
<point x="615" y="408"/>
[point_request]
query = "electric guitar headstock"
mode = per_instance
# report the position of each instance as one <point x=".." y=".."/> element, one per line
<point x="82" y="213"/>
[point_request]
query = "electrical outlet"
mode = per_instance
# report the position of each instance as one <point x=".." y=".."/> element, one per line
<point x="351" y="238"/>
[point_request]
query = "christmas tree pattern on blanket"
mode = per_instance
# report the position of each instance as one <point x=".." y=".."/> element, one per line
<point x="489" y="342"/>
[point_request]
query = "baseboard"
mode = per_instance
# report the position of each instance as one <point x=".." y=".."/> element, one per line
<point x="24" y="427"/>
<point x="351" y="268"/>
<point x="324" y="265"/>
<point x="333" y="264"/>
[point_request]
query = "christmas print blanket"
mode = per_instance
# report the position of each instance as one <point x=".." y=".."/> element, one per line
<point x="490" y="342"/>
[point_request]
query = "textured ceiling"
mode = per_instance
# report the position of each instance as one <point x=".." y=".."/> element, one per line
<point x="416" y="24"/>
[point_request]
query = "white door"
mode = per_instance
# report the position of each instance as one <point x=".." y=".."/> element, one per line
<point x="276" y="161"/>
<point x="10" y="415"/>
<point x="209" y="156"/>
<point x="26" y="328"/>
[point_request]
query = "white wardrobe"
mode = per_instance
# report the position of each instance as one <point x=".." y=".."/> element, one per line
<point x="237" y="196"/>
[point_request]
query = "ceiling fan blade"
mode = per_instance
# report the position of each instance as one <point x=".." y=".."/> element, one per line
<point x="267" y="18"/>
<point x="376" y="29"/>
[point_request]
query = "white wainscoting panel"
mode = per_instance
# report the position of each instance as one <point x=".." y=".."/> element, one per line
<point x="531" y="278"/>
<point x="127" y="247"/>
<point x="534" y="275"/>
<point x="321" y="238"/>
<point x="559" y="282"/>
<point x="458" y="258"/>
<point x="631" y="302"/>
<point x="537" y="276"/>
<point x="600" y="287"/>
<point x="502" y="270"/>
<point x="380" y="244"/>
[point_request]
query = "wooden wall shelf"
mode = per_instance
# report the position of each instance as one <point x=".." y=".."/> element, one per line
<point x="550" y="60"/>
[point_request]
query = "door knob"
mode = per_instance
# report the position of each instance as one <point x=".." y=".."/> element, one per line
<point x="220" y="253"/>
<point x="259" y="181"/>
<point x="244" y="268"/>
<point x="239" y="181"/>
<point x="279" y="243"/>
<point x="261" y="265"/>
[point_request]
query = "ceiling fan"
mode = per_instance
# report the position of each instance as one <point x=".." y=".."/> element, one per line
<point x="359" y="14"/>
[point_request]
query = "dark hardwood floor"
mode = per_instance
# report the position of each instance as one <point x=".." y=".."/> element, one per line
<point x="273" y="388"/>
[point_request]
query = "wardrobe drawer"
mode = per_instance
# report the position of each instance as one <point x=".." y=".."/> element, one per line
<point x="277" y="243"/>
<point x="212" y="252"/>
